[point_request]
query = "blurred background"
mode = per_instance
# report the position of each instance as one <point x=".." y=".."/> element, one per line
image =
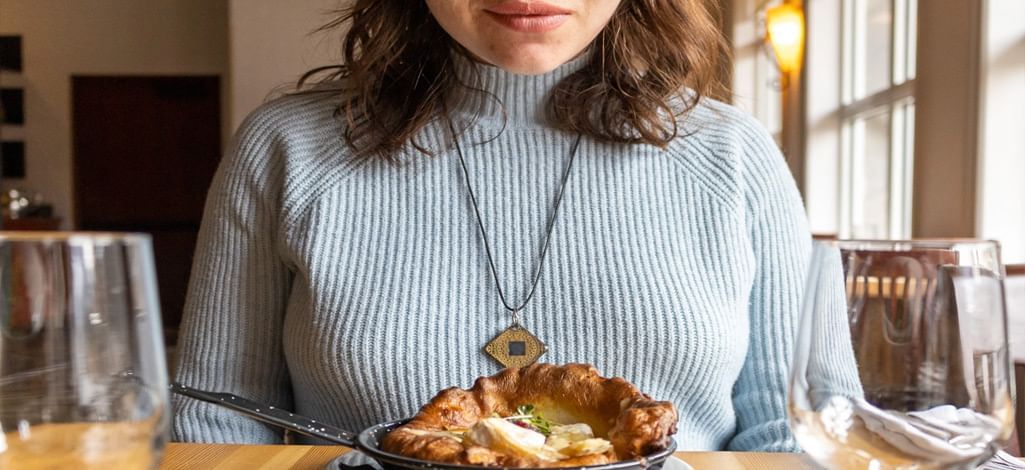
<point x="898" y="118"/>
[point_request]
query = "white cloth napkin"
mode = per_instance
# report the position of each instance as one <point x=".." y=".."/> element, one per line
<point x="1003" y="461"/>
<point x="943" y="434"/>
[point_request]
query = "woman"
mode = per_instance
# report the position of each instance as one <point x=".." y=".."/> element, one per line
<point x="342" y="268"/>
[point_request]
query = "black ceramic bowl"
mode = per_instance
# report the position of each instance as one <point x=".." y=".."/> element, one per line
<point x="369" y="442"/>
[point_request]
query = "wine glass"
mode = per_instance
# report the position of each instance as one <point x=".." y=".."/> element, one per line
<point x="901" y="358"/>
<point x="83" y="380"/>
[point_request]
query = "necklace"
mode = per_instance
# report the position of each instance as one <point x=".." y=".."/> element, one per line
<point x="515" y="346"/>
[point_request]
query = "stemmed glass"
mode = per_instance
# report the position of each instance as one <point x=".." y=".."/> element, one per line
<point x="83" y="380"/>
<point x="901" y="358"/>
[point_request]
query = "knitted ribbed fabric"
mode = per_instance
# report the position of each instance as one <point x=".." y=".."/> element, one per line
<point x="353" y="290"/>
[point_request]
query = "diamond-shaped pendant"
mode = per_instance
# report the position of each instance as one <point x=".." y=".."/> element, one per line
<point x="515" y="347"/>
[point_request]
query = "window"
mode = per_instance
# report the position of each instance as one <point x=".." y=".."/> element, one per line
<point x="877" y="113"/>
<point x="866" y="114"/>
<point x="756" y="84"/>
<point x="859" y="111"/>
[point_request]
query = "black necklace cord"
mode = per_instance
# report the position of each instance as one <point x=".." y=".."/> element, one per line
<point x="548" y="229"/>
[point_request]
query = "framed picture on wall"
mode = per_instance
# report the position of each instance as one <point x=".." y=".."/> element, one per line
<point x="10" y="53"/>
<point x="12" y="159"/>
<point x="12" y="102"/>
<point x="12" y="108"/>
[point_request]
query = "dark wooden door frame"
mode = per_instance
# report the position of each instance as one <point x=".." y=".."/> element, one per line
<point x="152" y="145"/>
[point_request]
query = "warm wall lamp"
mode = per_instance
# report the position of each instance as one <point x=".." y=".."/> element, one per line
<point x="784" y="25"/>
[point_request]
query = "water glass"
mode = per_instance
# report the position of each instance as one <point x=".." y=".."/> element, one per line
<point x="83" y="380"/>
<point x="901" y="359"/>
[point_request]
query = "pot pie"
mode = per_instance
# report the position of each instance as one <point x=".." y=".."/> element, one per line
<point x="541" y="415"/>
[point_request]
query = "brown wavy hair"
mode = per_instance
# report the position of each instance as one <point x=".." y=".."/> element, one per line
<point x="397" y="72"/>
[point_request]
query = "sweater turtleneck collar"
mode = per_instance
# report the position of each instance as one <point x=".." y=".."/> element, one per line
<point x="508" y="99"/>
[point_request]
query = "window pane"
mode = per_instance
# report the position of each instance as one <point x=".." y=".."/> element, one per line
<point x="901" y="168"/>
<point x="911" y="32"/>
<point x="873" y="47"/>
<point x="900" y="41"/>
<point x="770" y="99"/>
<point x="870" y="172"/>
<point x="755" y="75"/>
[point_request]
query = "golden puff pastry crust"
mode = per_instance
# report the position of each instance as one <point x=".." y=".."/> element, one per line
<point x="615" y="410"/>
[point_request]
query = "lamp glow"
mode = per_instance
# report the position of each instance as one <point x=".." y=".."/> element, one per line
<point x="785" y="25"/>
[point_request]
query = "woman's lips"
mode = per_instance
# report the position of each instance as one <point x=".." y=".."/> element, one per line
<point x="534" y="17"/>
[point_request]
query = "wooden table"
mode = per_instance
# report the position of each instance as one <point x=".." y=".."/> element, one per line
<point x="224" y="457"/>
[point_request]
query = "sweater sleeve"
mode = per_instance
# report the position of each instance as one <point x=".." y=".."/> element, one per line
<point x="780" y="242"/>
<point x="231" y="331"/>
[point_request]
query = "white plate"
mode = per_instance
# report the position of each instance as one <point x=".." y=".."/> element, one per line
<point x="356" y="457"/>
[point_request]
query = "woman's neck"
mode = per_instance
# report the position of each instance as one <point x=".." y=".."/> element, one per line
<point x="498" y="97"/>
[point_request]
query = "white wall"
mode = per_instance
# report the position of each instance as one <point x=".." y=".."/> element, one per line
<point x="62" y="38"/>
<point x="271" y="45"/>
<point x="1002" y="154"/>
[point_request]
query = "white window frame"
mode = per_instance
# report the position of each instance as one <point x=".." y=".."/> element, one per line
<point x="897" y="100"/>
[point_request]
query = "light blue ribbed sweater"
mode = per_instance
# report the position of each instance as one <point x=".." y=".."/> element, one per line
<point x="353" y="290"/>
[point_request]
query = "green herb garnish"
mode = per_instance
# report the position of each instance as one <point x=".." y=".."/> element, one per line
<point x="525" y="410"/>
<point x="525" y="415"/>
